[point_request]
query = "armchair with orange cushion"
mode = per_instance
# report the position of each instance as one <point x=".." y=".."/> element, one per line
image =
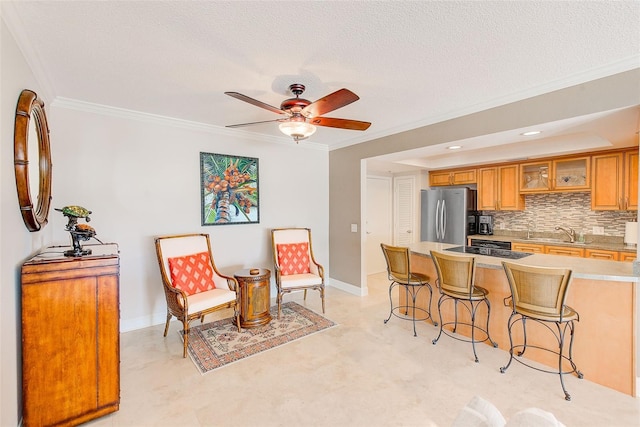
<point x="192" y="284"/>
<point x="295" y="266"/>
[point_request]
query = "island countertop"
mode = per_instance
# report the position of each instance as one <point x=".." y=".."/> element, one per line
<point x="583" y="268"/>
<point x="603" y="292"/>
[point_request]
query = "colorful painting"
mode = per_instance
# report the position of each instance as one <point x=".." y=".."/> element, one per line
<point x="229" y="189"/>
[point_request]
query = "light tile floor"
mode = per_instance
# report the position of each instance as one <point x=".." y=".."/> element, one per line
<point x="360" y="373"/>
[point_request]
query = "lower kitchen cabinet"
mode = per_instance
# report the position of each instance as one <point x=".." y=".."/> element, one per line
<point x="602" y="254"/>
<point x="70" y="336"/>
<point x="627" y="256"/>
<point x="527" y="247"/>
<point x="573" y="251"/>
<point x="564" y="250"/>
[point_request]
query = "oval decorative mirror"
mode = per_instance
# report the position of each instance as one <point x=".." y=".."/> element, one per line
<point x="31" y="142"/>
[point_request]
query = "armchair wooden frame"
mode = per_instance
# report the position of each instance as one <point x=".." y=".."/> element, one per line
<point x="313" y="280"/>
<point x="179" y="304"/>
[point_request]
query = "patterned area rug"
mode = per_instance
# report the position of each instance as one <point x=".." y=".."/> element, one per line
<point x="216" y="344"/>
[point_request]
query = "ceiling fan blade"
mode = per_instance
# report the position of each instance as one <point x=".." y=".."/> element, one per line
<point x="333" y="101"/>
<point x="255" y="123"/>
<point x="255" y="102"/>
<point x="340" y="123"/>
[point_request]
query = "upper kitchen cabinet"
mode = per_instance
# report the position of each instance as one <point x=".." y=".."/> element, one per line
<point x="572" y="174"/>
<point x="631" y="179"/>
<point x="615" y="181"/>
<point x="535" y="177"/>
<point x="567" y="174"/>
<point x="452" y="177"/>
<point x="498" y="189"/>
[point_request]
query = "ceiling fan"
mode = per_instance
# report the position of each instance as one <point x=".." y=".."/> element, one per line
<point x="300" y="116"/>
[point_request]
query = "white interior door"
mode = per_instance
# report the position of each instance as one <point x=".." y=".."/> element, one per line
<point x="378" y="225"/>
<point x="404" y="210"/>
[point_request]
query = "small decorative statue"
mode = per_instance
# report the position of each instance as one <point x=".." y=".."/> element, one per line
<point x="78" y="232"/>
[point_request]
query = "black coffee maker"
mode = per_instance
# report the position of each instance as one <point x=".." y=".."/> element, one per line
<point x="485" y="224"/>
<point x="472" y="223"/>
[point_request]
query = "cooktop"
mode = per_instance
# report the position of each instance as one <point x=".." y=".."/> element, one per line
<point x="500" y="253"/>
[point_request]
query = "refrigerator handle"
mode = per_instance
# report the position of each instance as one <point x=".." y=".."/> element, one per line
<point x="443" y="223"/>
<point x="438" y="220"/>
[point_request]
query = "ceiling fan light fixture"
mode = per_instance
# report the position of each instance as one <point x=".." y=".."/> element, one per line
<point x="294" y="112"/>
<point x="298" y="130"/>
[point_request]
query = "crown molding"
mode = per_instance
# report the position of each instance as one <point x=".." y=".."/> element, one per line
<point x="105" y="110"/>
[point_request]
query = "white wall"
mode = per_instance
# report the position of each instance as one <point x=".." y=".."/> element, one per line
<point x="16" y="242"/>
<point x="140" y="177"/>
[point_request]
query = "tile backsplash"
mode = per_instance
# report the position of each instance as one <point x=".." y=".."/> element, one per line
<point x="544" y="212"/>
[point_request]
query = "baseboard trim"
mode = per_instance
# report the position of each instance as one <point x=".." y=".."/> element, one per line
<point x="142" y="322"/>
<point x="348" y="287"/>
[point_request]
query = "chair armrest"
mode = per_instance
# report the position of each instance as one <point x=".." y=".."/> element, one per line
<point x="171" y="289"/>
<point x="320" y="269"/>
<point x="221" y="280"/>
<point x="317" y="266"/>
<point x="231" y="282"/>
<point x="176" y="298"/>
<point x="278" y="273"/>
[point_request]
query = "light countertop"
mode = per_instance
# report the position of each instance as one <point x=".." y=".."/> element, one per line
<point x="583" y="268"/>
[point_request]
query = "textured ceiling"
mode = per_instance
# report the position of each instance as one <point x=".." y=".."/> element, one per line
<point x="411" y="63"/>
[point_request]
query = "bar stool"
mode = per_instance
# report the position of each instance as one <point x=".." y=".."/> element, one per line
<point x="539" y="294"/>
<point x="456" y="277"/>
<point x="400" y="274"/>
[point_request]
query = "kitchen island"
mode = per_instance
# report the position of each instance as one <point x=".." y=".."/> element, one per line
<point x="602" y="292"/>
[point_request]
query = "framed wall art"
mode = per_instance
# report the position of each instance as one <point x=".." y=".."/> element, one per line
<point x="229" y="189"/>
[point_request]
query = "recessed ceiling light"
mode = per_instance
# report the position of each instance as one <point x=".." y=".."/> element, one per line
<point x="531" y="133"/>
<point x="454" y="147"/>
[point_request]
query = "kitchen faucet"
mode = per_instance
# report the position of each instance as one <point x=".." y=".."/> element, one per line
<point x="570" y="232"/>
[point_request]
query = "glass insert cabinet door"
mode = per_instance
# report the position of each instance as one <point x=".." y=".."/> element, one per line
<point x="535" y="177"/>
<point x="571" y="174"/>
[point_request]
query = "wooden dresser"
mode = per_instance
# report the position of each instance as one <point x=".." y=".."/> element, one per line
<point x="70" y="336"/>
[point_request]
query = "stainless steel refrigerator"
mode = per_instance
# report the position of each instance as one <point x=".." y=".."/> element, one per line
<point x="445" y="214"/>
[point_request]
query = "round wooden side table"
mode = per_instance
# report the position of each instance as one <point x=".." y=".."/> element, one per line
<point x="255" y="296"/>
